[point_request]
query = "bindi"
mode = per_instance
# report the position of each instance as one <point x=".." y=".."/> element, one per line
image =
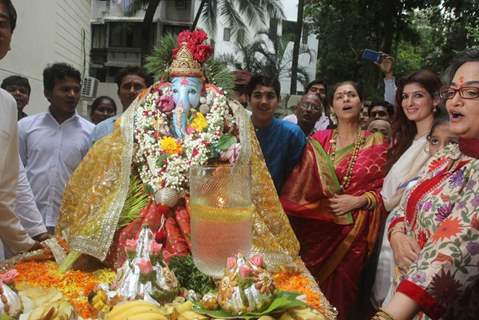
<point x="461" y="80"/>
<point x="184" y="81"/>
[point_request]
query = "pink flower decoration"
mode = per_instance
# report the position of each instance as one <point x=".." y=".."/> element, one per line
<point x="257" y="260"/>
<point x="145" y="266"/>
<point x="230" y="262"/>
<point x="130" y="245"/>
<point x="8" y="276"/>
<point x="245" y="271"/>
<point x="231" y="155"/>
<point x="166" y="103"/>
<point x="155" y="248"/>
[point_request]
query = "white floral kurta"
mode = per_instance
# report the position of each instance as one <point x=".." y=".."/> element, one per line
<point x="442" y="213"/>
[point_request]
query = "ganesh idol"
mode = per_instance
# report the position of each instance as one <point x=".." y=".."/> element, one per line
<point x="140" y="173"/>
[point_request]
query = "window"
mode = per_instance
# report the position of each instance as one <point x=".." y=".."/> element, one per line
<point x="180" y="4"/>
<point x="98" y="36"/>
<point x="173" y="30"/>
<point x="125" y="34"/>
<point x="273" y="26"/>
<point x="226" y="34"/>
<point x="289" y="30"/>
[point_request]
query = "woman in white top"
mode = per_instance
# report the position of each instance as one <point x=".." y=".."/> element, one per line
<point x="418" y="98"/>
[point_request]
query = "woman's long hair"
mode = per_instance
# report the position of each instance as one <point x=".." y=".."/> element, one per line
<point x="404" y="130"/>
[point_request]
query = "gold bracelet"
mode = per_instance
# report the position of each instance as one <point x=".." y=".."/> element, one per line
<point x="371" y="200"/>
<point x="382" y="315"/>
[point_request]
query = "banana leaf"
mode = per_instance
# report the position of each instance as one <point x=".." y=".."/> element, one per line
<point x="282" y="301"/>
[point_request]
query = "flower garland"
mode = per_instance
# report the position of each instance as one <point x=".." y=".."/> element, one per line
<point x="74" y="285"/>
<point x="164" y="160"/>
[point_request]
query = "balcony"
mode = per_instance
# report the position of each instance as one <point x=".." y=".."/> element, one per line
<point x="123" y="57"/>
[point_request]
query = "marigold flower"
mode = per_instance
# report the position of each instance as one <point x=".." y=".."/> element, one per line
<point x="199" y="122"/>
<point x="170" y="146"/>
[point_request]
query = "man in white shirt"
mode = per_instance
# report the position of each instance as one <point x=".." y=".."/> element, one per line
<point x="11" y="231"/>
<point x="53" y="143"/>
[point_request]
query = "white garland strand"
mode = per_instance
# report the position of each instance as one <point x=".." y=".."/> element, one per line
<point x="159" y="169"/>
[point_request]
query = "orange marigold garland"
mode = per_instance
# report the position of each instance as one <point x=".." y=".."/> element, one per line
<point x="75" y="285"/>
<point x="294" y="281"/>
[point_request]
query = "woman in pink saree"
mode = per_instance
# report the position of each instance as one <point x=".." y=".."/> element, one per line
<point x="333" y="202"/>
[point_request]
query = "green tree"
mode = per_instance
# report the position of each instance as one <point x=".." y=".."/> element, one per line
<point x="418" y="34"/>
<point x="238" y="15"/>
<point x="270" y="54"/>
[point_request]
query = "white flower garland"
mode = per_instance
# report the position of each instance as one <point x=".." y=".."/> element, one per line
<point x="159" y="169"/>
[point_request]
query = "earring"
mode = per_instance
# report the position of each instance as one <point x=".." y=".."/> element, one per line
<point x="333" y="117"/>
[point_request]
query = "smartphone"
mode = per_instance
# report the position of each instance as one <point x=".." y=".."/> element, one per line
<point x="372" y="55"/>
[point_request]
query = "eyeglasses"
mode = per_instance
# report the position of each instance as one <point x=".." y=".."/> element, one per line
<point x="310" y="106"/>
<point x="465" y="92"/>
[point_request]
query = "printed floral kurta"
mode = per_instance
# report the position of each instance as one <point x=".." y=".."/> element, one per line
<point x="442" y="213"/>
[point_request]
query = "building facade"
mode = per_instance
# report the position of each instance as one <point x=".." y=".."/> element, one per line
<point x="48" y="31"/>
<point x="116" y="39"/>
<point x="116" y="35"/>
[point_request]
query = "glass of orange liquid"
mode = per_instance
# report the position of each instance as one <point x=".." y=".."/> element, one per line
<point x="221" y="215"/>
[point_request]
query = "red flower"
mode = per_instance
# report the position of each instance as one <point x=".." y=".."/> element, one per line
<point x="194" y="152"/>
<point x="202" y="53"/>
<point x="175" y="52"/>
<point x="166" y="103"/>
<point x="183" y="36"/>
<point x="448" y="228"/>
<point x="194" y="41"/>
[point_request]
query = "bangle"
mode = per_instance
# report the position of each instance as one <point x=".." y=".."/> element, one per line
<point x="371" y="200"/>
<point x="382" y="315"/>
<point x="397" y="228"/>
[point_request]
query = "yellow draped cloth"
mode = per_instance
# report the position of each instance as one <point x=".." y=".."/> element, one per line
<point x="95" y="194"/>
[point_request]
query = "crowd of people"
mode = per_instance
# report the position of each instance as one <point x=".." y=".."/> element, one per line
<point x="381" y="195"/>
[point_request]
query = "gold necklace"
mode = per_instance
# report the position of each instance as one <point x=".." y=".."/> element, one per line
<point x="358" y="142"/>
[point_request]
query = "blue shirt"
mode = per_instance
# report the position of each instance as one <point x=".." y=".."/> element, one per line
<point x="103" y="129"/>
<point x="282" y="143"/>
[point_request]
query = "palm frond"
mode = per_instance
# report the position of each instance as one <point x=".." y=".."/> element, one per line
<point x="217" y="73"/>
<point x="209" y="15"/>
<point x="159" y="62"/>
<point x="233" y="18"/>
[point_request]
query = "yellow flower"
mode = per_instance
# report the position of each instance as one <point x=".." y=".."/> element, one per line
<point x="170" y="146"/>
<point x="199" y="123"/>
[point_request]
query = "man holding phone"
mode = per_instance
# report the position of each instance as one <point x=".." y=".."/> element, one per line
<point x="385" y="63"/>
